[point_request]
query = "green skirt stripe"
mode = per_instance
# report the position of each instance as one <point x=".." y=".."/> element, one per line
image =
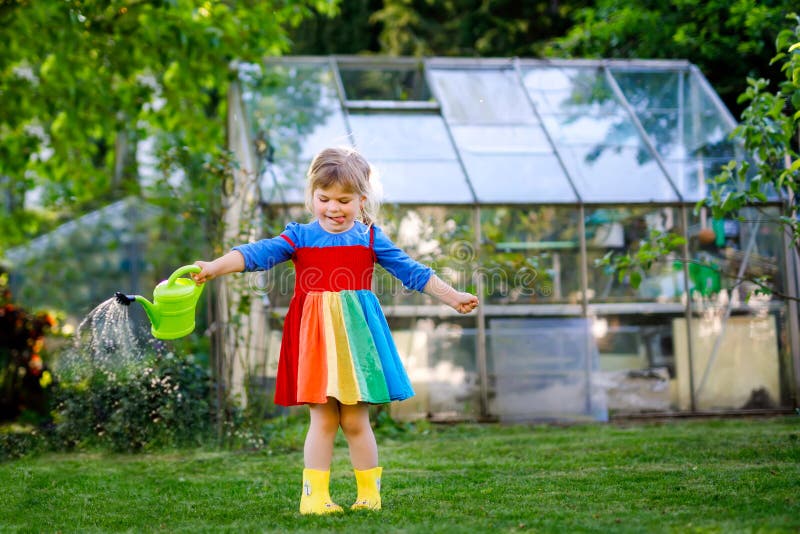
<point x="366" y="360"/>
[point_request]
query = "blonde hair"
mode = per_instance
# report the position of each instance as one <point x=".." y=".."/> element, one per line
<point x="346" y="168"/>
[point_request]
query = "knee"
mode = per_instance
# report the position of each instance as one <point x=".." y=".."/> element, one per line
<point x="325" y="422"/>
<point x="354" y="426"/>
<point x="327" y="426"/>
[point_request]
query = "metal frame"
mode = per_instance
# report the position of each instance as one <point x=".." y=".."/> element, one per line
<point x="585" y="308"/>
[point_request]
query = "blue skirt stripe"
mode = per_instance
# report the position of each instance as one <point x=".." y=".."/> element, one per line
<point x="396" y="378"/>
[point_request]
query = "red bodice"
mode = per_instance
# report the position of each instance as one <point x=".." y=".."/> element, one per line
<point x="332" y="268"/>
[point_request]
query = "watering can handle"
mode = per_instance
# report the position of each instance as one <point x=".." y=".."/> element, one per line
<point x="181" y="271"/>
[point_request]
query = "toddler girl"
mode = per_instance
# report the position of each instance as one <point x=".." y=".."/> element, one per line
<point x="337" y="353"/>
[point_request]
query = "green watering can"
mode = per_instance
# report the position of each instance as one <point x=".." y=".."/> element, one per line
<point x="174" y="301"/>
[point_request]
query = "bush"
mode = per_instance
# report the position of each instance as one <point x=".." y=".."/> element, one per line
<point x="25" y="380"/>
<point x="16" y="442"/>
<point x="163" y="402"/>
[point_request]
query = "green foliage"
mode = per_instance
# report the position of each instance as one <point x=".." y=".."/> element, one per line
<point x="454" y="28"/>
<point x="635" y="264"/>
<point x="90" y="79"/>
<point x="348" y="31"/>
<point x="768" y="133"/>
<point x="164" y="403"/>
<point x="20" y="441"/>
<point x="727" y="40"/>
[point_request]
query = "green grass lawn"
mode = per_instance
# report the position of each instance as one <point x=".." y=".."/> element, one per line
<point x="730" y="475"/>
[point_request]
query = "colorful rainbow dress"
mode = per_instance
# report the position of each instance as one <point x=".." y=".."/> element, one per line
<point x="336" y="341"/>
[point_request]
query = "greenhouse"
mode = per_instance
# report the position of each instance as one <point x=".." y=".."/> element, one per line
<point x="512" y="177"/>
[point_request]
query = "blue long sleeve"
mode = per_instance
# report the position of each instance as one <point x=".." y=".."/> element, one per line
<point x="267" y="253"/>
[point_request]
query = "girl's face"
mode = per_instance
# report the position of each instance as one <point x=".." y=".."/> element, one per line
<point x="336" y="209"/>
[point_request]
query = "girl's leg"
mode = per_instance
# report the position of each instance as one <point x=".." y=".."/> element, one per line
<point x="363" y="454"/>
<point x="360" y="439"/>
<point x="318" y="449"/>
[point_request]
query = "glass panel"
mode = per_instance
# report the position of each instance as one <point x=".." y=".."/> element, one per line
<point x="605" y="155"/>
<point x="620" y="230"/>
<point x="604" y="173"/>
<point x="610" y="129"/>
<point x="683" y="123"/>
<point x="293" y="112"/>
<point x="108" y="250"/>
<point x="543" y="369"/>
<point x="439" y="357"/>
<point x="518" y="178"/>
<point x="739" y="362"/>
<point x="569" y="90"/>
<point x="704" y="125"/>
<point x="530" y="255"/>
<point x="414" y="156"/>
<point x="650" y="90"/>
<point x="401" y="136"/>
<point x="398" y="83"/>
<point x="501" y="139"/>
<point x="663" y="128"/>
<point x="691" y="175"/>
<point x="422" y="182"/>
<point x="721" y="246"/>
<point x="740" y="358"/>
<point x="284" y="182"/>
<point x="512" y="164"/>
<point x="637" y="362"/>
<point x="481" y="96"/>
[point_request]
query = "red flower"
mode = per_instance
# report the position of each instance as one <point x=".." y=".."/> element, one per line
<point x="35" y="365"/>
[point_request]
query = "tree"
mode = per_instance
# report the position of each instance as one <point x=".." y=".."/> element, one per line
<point x="83" y="82"/>
<point x="456" y="28"/>
<point x="769" y="133"/>
<point x="727" y="40"/>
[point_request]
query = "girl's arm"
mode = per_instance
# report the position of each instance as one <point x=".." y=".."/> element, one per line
<point x="458" y="300"/>
<point x="259" y="256"/>
<point x="232" y="262"/>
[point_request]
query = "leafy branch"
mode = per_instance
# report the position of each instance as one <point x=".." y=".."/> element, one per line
<point x="635" y="265"/>
<point x="770" y="136"/>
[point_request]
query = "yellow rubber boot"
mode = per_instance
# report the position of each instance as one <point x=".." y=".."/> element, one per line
<point x="369" y="489"/>
<point x="316" y="497"/>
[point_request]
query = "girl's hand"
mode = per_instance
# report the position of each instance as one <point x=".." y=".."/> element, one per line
<point x="458" y="300"/>
<point x="232" y="262"/>
<point x="464" y="302"/>
<point x="206" y="272"/>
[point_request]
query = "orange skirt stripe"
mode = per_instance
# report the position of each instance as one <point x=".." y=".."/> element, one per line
<point x="340" y="356"/>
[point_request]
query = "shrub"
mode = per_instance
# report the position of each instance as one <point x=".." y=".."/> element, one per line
<point x="162" y="402"/>
<point x="17" y="441"/>
<point x="25" y="379"/>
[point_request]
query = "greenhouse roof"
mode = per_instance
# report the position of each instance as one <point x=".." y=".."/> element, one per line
<point x="491" y="131"/>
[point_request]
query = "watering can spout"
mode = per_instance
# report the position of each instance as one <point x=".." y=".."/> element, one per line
<point x="151" y="310"/>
